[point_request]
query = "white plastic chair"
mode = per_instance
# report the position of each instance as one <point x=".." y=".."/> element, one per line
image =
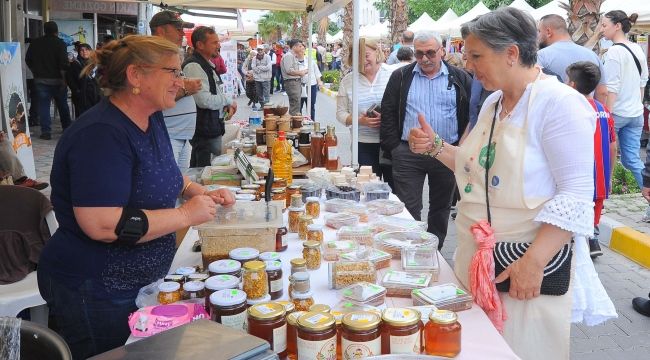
<point x="24" y="294"/>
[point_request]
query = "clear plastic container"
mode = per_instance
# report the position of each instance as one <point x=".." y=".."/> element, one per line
<point x="338" y="205"/>
<point x="376" y="190"/>
<point x="361" y="234"/>
<point x="342" y="192"/>
<point x="386" y="207"/>
<point x="421" y="259"/>
<point x="365" y="293"/>
<point x="310" y="189"/>
<point x="379" y="258"/>
<point x="394" y="241"/>
<point x="364" y="213"/>
<point x="333" y="249"/>
<point x="400" y="283"/>
<point x="346" y="273"/>
<point x="392" y="223"/>
<point x="444" y="297"/>
<point x="337" y="221"/>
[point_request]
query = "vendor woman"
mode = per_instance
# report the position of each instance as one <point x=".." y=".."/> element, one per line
<point x="114" y="187"/>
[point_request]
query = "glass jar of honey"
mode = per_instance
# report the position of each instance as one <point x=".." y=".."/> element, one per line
<point x="169" y="292"/>
<point x="315" y="233"/>
<point x="193" y="290"/>
<point x="338" y="316"/>
<point x="281" y="243"/>
<point x="216" y="283"/>
<point x="255" y="280"/>
<point x="305" y="220"/>
<point x="313" y="207"/>
<point x="274" y="274"/>
<point x="361" y="336"/>
<point x="294" y="218"/>
<point x="225" y="267"/>
<point x="316" y="336"/>
<point x="311" y="254"/>
<point x="442" y="334"/>
<point x="292" y="324"/>
<point x="228" y="307"/>
<point x="244" y="254"/>
<point x="288" y="306"/>
<point x="279" y="183"/>
<point x="280" y="194"/>
<point x="267" y="322"/>
<point x="401" y="331"/>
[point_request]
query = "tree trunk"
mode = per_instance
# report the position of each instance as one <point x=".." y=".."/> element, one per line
<point x="347" y="36"/>
<point x="583" y="21"/>
<point x="304" y="34"/>
<point x="323" y="25"/>
<point x="398" y="19"/>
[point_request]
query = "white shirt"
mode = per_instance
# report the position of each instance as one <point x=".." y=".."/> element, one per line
<point x="623" y="79"/>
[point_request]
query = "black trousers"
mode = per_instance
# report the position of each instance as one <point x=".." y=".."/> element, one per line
<point x="409" y="171"/>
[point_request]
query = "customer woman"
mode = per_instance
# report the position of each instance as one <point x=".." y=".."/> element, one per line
<point x="539" y="181"/>
<point x="373" y="78"/>
<point x="626" y="73"/>
<point x="114" y="187"/>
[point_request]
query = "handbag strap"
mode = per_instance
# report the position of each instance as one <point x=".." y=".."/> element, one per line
<point x="487" y="160"/>
<point x="636" y="61"/>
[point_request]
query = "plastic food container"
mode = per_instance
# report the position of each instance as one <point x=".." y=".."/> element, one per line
<point x="346" y="273"/>
<point x="360" y="234"/>
<point x="365" y="214"/>
<point x="379" y="258"/>
<point x="338" y="205"/>
<point x="386" y="207"/>
<point x="392" y="223"/>
<point x="337" y="221"/>
<point x="376" y="190"/>
<point x="343" y="192"/>
<point x="394" y="241"/>
<point x="365" y="293"/>
<point x="445" y="297"/>
<point x="421" y="259"/>
<point x="400" y="283"/>
<point x="333" y="249"/>
<point x="310" y="190"/>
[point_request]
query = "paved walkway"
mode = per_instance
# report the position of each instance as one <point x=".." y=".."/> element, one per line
<point x="627" y="337"/>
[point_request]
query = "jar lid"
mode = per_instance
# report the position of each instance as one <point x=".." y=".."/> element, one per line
<point x="254" y="265"/>
<point x="185" y="270"/>
<point x="224" y="266"/>
<point x="289" y="307"/>
<point x="269" y="256"/>
<point x="443" y="317"/>
<point x="273" y="265"/>
<point x="320" y="308"/>
<point x="293" y="187"/>
<point x="297" y="295"/>
<point x="312" y="199"/>
<point x="298" y="262"/>
<point x="313" y="321"/>
<point x="264" y="299"/>
<point x="311" y="244"/>
<point x="306" y="217"/>
<point x="278" y="191"/>
<point x="228" y="297"/>
<point x="244" y="253"/>
<point x="194" y="286"/>
<point x="247" y="192"/>
<point x="221" y="282"/>
<point x="169" y="286"/>
<point x="297" y="208"/>
<point x="266" y="311"/>
<point x="401" y="316"/>
<point x="315" y="227"/>
<point x="292" y="319"/>
<point x="361" y="320"/>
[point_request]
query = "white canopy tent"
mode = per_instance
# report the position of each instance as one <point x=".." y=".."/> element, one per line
<point x="522" y="5"/>
<point x="449" y="15"/>
<point x="375" y="31"/>
<point x="551" y="8"/>
<point x="453" y="28"/>
<point x="424" y="22"/>
<point x="328" y="38"/>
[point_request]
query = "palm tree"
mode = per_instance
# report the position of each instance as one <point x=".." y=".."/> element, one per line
<point x="275" y="24"/>
<point x="398" y="19"/>
<point x="304" y="28"/>
<point x="584" y="18"/>
<point x="323" y="25"/>
<point x="347" y="35"/>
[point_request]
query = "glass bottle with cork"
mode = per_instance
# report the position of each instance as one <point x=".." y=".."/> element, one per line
<point x="282" y="158"/>
<point x="331" y="149"/>
<point x="317" y="147"/>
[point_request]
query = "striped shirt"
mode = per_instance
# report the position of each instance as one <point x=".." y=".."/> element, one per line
<point x="432" y="98"/>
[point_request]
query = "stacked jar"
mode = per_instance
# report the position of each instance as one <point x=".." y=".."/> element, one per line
<point x="292" y="324"/>
<point x="297" y="265"/>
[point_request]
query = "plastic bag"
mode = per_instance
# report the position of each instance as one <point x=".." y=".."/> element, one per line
<point x="298" y="159"/>
<point x="152" y="320"/>
<point x="148" y="295"/>
<point x="223" y="160"/>
<point x="10" y="338"/>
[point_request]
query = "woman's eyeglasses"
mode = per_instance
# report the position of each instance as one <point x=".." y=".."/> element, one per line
<point x="178" y="73"/>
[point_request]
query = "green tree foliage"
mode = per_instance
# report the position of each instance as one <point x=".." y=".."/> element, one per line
<point x="275" y="24"/>
<point x="332" y="28"/>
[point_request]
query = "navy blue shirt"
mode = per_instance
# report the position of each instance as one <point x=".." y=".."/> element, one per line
<point x="105" y="160"/>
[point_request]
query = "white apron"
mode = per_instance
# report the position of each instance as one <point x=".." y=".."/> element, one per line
<point x="538" y="328"/>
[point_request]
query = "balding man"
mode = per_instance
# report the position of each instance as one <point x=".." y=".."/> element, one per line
<point x="407" y="41"/>
<point x="558" y="51"/>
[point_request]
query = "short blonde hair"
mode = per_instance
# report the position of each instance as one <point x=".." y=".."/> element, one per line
<point x="371" y="43"/>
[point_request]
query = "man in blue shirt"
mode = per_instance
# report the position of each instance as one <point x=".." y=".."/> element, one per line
<point x="441" y="93"/>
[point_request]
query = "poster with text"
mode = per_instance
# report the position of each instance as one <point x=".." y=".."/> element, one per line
<point x="231" y="78"/>
<point x="14" y="115"/>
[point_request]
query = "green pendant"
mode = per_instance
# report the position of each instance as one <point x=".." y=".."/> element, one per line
<point x="468" y="188"/>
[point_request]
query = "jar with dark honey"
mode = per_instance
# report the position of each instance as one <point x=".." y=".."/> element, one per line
<point x="274" y="275"/>
<point x="338" y="317"/>
<point x="361" y="335"/>
<point x="228" y="307"/>
<point x="267" y="322"/>
<point x="216" y="283"/>
<point x="281" y="243"/>
<point x="292" y="324"/>
<point x="401" y="331"/>
<point x="260" y="136"/>
<point x="442" y="334"/>
<point x="316" y="336"/>
<point x="193" y="290"/>
<point x="244" y="254"/>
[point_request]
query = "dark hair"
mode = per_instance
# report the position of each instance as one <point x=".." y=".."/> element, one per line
<point x="585" y="75"/>
<point x="504" y="27"/>
<point x="620" y="17"/>
<point x="200" y="34"/>
<point x="50" y="28"/>
<point x="294" y="42"/>
<point x="84" y="45"/>
<point x="405" y="53"/>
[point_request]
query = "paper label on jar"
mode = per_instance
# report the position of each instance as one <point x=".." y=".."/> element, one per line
<point x="360" y="350"/>
<point x="284" y="241"/>
<point x="332" y="153"/>
<point x="264" y="309"/>
<point x="280" y="339"/>
<point x="321" y="350"/>
<point x="276" y="285"/>
<point x="409" y="344"/>
<point x="315" y="319"/>
<point x="237" y="322"/>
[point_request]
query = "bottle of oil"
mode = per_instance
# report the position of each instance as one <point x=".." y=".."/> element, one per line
<point x="282" y="158"/>
<point x="331" y="150"/>
<point x="317" y="147"/>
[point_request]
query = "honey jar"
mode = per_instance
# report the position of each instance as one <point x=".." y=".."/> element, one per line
<point x="401" y="331"/>
<point x="279" y="183"/>
<point x="320" y="308"/>
<point x="302" y="227"/>
<point x="267" y="322"/>
<point x="217" y="283"/>
<point x="442" y="334"/>
<point x="274" y="275"/>
<point x="316" y="336"/>
<point x="228" y="308"/>
<point x="225" y="267"/>
<point x="311" y="254"/>
<point x="292" y="323"/>
<point x="361" y="335"/>
<point x="281" y="243"/>
<point x="312" y="208"/>
<point x="255" y="280"/>
<point x="169" y="292"/>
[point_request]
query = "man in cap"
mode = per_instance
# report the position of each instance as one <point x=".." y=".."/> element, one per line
<point x="181" y="119"/>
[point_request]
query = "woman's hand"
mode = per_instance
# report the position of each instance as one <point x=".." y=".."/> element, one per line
<point x="199" y="209"/>
<point x="526" y="277"/>
<point x="371" y="122"/>
<point x="421" y="139"/>
<point x="221" y="197"/>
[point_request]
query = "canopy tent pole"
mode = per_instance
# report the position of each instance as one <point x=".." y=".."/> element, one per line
<point x="308" y="53"/>
<point x="355" y="83"/>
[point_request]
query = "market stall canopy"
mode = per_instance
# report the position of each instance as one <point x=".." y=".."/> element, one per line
<point x="338" y="36"/>
<point x="424" y="22"/>
<point x="551" y="8"/>
<point x="522" y="5"/>
<point x="375" y="31"/>
<point x="449" y="15"/>
<point x="641" y="7"/>
<point x="328" y="38"/>
<point x="220" y="25"/>
<point x="453" y="28"/>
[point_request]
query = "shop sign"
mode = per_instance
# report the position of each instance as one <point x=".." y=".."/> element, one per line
<point x="100" y="7"/>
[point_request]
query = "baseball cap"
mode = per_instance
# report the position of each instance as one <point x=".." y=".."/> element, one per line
<point x="169" y="17"/>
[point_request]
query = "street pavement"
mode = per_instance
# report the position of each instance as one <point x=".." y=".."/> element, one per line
<point x="627" y="337"/>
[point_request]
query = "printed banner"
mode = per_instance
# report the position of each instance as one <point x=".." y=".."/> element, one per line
<point x="15" y="123"/>
<point x="231" y="78"/>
